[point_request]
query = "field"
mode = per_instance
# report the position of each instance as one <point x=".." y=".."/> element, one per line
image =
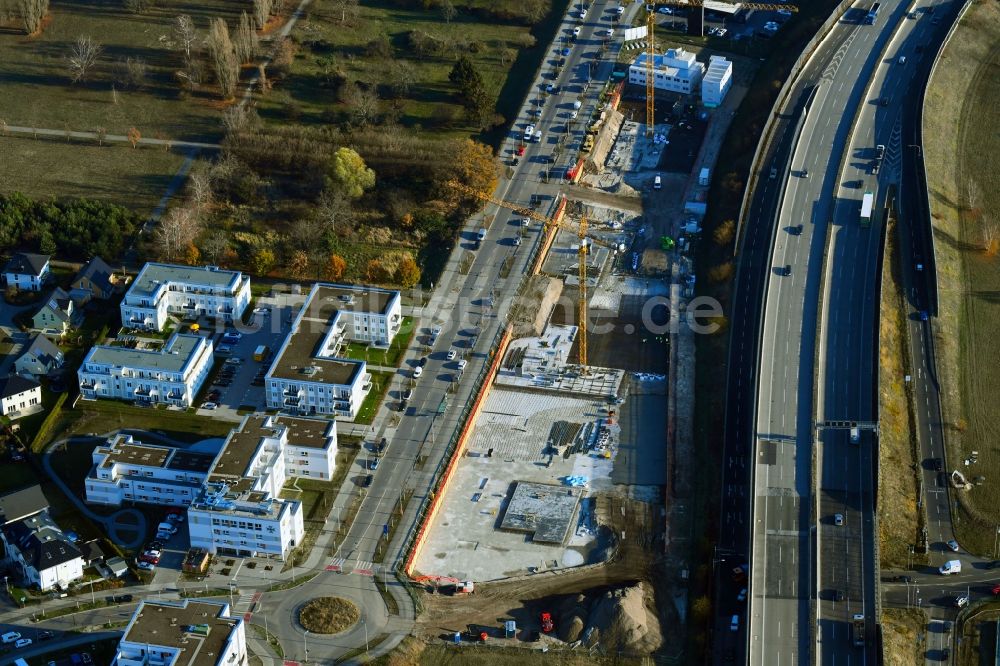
<point x="898" y="522"/>
<point x="101" y="416"/>
<point x="381" y="50"/>
<point x="962" y="167"/>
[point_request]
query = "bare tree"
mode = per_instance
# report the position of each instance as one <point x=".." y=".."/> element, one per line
<point x="991" y="236"/>
<point x="973" y="194"/>
<point x="130" y="72"/>
<point x="262" y="10"/>
<point x="246" y="43"/>
<point x="347" y="9"/>
<point x="200" y="187"/>
<point x="175" y="232"/>
<point x="227" y="67"/>
<point x="32" y="13"/>
<point x="401" y="76"/>
<point x="448" y="11"/>
<point x="214" y="247"/>
<point x="186" y="35"/>
<point x="334" y="211"/>
<point x="240" y="118"/>
<point x="363" y="103"/>
<point x="82" y="57"/>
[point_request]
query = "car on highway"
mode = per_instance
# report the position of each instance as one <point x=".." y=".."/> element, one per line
<point x="373" y="464"/>
<point x="742" y="596"/>
<point x="417" y="371"/>
<point x="922" y="315"/>
<point x="898" y="579"/>
<point x="838" y="519"/>
<point x="796" y="230"/>
<point x="666" y="10"/>
<point x="787" y="270"/>
<point x="837" y="595"/>
<point x="368" y="481"/>
<point x="565" y="51"/>
<point x="583" y="13"/>
<point x="721" y="32"/>
<point x="407" y="394"/>
<point x="995" y="564"/>
<point x="952" y="545"/>
<point x="961" y="601"/>
<point x="529" y="131"/>
<point x="901" y="60"/>
<point x="10" y="637"/>
<point x="611" y="33"/>
<point x="734" y="623"/>
<point x="620" y="10"/>
<point x="805" y="173"/>
<point x="422" y="362"/>
<point x="774" y="173"/>
<point x="452" y="354"/>
<point x="462" y="364"/>
<point x="937" y="464"/>
<point x="576" y="32"/>
<point x="996" y="590"/>
<point x="23" y="642"/>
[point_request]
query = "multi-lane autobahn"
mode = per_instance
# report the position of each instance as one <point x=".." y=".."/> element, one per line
<point x="813" y="561"/>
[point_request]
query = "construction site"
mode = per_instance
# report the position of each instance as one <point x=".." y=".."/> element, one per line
<point x="568" y="512"/>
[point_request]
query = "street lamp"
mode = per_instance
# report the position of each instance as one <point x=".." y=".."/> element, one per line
<point x="305" y="641"/>
<point x="365" y="625"/>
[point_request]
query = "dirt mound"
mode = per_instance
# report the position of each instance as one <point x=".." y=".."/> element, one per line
<point x="624" y="619"/>
<point x="573" y="613"/>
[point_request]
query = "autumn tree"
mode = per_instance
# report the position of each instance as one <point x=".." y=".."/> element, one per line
<point x="134" y="136"/>
<point x="375" y="272"/>
<point x="82" y="57"/>
<point x="721" y="273"/>
<point x="991" y="237"/>
<point x="246" y="43"/>
<point x="335" y="267"/>
<point x="262" y="261"/>
<point x="350" y="174"/>
<point x="724" y="233"/>
<point x="298" y="267"/>
<point x="223" y="57"/>
<point x="176" y="232"/>
<point x="192" y="255"/>
<point x="32" y="14"/>
<point x="474" y="165"/>
<point x="407" y="273"/>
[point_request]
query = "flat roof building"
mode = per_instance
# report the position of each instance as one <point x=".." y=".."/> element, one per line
<point x="187" y="292"/>
<point x="233" y="497"/>
<point x="676" y="70"/>
<point x="183" y="633"/>
<point x="718" y="79"/>
<point x="170" y="375"/>
<point x="309" y="373"/>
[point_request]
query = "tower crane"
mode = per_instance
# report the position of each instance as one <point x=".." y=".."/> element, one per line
<point x="651" y="6"/>
<point x="553" y="224"/>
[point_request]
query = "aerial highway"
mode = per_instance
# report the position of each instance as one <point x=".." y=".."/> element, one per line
<point x="818" y="331"/>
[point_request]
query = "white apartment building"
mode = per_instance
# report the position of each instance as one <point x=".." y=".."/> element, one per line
<point x="309" y="374"/>
<point x="185" y="292"/>
<point x="232" y="496"/>
<point x="170" y="375"/>
<point x="126" y="470"/>
<point x="183" y="633"/>
<point x="676" y="70"/>
<point x="718" y="79"/>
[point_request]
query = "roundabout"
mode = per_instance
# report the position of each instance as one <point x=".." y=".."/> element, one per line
<point x="328" y="615"/>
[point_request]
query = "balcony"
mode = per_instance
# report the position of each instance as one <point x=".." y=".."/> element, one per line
<point x="292" y="402"/>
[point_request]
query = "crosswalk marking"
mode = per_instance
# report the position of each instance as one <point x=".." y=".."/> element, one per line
<point x="364" y="568"/>
<point x="337" y="564"/>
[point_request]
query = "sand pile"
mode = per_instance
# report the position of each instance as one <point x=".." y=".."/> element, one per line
<point x="624" y="619"/>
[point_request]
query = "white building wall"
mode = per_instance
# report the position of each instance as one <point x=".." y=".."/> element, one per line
<point x="717" y="82"/>
<point x="675" y="71"/>
<point x="21" y="401"/>
<point x="215" y="530"/>
<point x="319" y="398"/>
<point x="182" y="299"/>
<point x="313" y="463"/>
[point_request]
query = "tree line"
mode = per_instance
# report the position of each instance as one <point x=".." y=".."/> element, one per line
<point x="74" y="230"/>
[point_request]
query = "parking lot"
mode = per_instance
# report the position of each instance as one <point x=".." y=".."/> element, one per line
<point x="236" y="381"/>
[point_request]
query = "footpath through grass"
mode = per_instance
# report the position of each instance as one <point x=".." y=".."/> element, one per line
<point x="963" y="167"/>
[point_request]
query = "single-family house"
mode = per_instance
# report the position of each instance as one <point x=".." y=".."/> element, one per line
<point x="95" y="280"/>
<point x="57" y="315"/>
<point x="27" y="271"/>
<point x="40" y="358"/>
<point x="19" y="396"/>
<point x="41" y="554"/>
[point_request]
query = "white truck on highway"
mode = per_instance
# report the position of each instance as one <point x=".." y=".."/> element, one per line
<point x="866" y="209"/>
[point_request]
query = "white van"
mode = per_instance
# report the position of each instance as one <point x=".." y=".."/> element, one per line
<point x="166" y="527"/>
<point x="658" y="182"/>
<point x="950" y="567"/>
<point x="855" y="435"/>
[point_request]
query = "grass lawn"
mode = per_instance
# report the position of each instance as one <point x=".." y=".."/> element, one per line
<point x="136" y="179"/>
<point x="902" y="633"/>
<point x="377" y="356"/>
<point x="38" y="91"/>
<point x="380" y="384"/>
<point x="102" y="416"/>
<point x="328" y="45"/>
<point x="962" y="99"/>
<point x="898" y="524"/>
